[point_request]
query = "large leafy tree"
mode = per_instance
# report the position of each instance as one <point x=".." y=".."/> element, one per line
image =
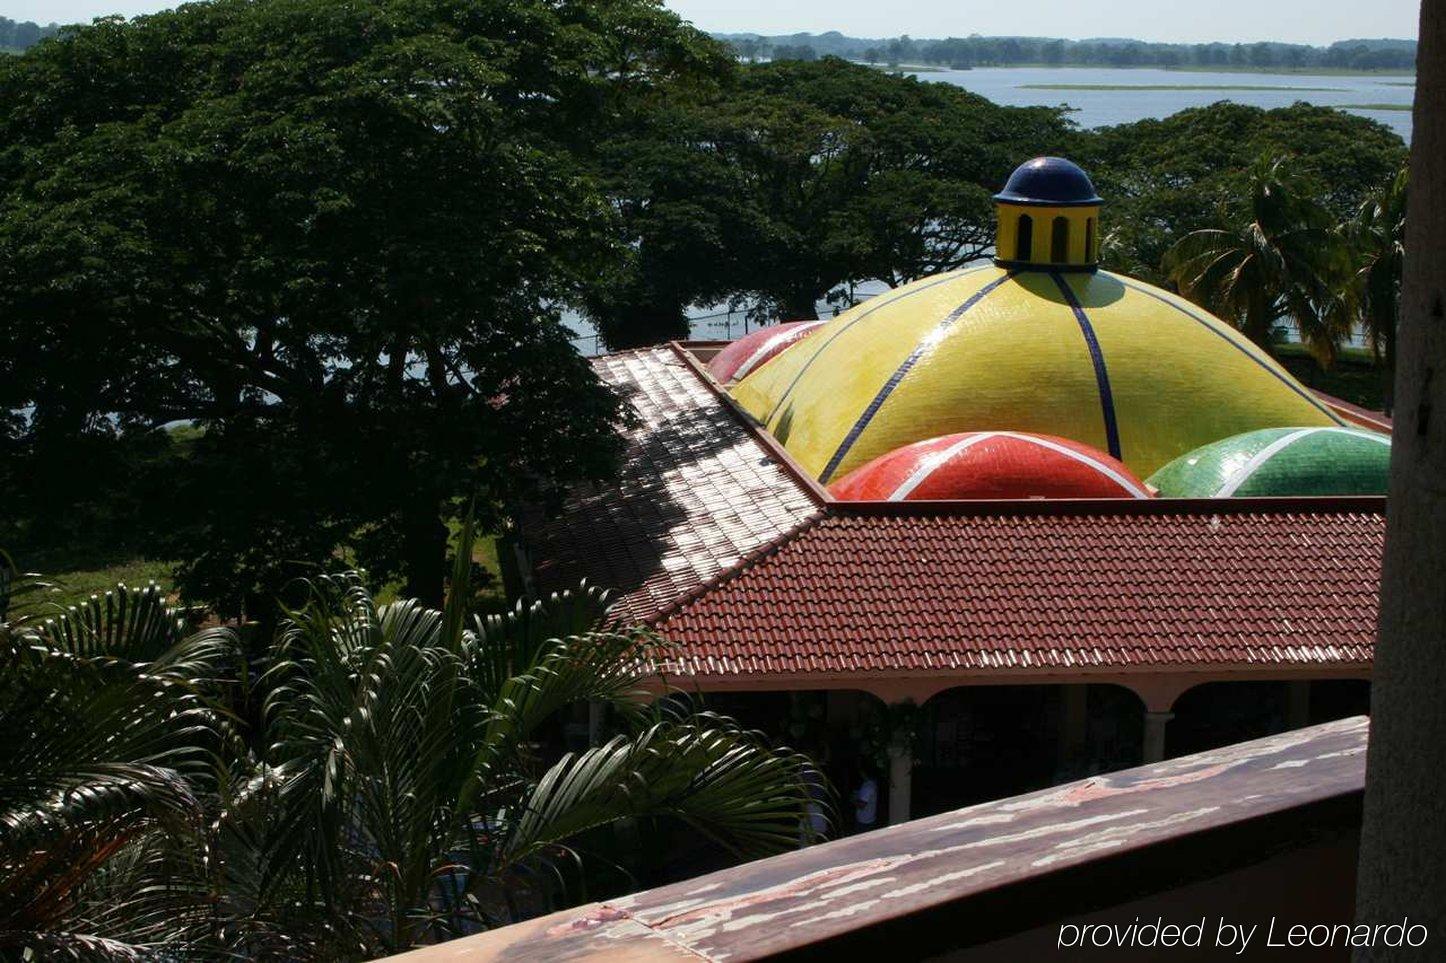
<point x="1281" y="262"/>
<point x="684" y="217"/>
<point x="336" y="234"/>
<point x="858" y="174"/>
<point x="784" y="182"/>
<point x="1164" y="178"/>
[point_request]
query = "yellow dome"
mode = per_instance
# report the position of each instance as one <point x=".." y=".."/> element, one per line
<point x="1095" y="357"/>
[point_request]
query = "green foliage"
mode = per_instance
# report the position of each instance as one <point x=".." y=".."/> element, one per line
<point x="790" y="181"/>
<point x="1355" y="375"/>
<point x="408" y="791"/>
<point x="1376" y="239"/>
<point x="1289" y="260"/>
<point x="114" y="739"/>
<point x="394" y="787"/>
<point x="339" y="236"/>
<point x="1283" y="262"/>
<point x="859" y="174"/>
<point x="1191" y="171"/>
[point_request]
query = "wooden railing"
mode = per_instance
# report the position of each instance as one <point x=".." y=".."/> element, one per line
<point x="1246" y="832"/>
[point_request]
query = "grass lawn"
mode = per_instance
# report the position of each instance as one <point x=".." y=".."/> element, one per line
<point x="78" y="575"/>
<point x="78" y="578"/>
<point x="1376" y="106"/>
<point x="1354" y="377"/>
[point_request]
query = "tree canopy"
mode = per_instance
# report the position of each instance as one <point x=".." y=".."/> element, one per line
<point x="791" y="180"/>
<point x="1165" y="178"/>
<point x="338" y="235"/>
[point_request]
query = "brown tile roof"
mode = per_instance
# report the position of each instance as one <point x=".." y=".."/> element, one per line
<point x="698" y="491"/>
<point x="713" y="537"/>
<point x="1172" y="584"/>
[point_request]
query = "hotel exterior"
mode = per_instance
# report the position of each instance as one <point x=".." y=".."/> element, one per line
<point x="1070" y="520"/>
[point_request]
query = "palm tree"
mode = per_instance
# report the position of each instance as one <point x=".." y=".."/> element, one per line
<point x="113" y="732"/>
<point x="401" y="797"/>
<point x="1282" y="262"/>
<point x="1372" y="296"/>
<point x="394" y="795"/>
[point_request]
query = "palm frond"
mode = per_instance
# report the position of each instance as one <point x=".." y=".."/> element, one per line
<point x="113" y="734"/>
<point x="724" y="782"/>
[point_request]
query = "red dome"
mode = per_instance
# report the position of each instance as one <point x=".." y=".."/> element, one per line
<point x="752" y="351"/>
<point x="990" y="464"/>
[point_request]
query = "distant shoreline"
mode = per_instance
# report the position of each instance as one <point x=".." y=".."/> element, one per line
<point x="1283" y="71"/>
<point x="1285" y="87"/>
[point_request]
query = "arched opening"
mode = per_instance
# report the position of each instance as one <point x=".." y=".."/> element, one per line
<point x="1024" y="238"/>
<point x="1332" y="699"/>
<point x="1090" y="256"/>
<point x="1217" y="714"/>
<point x="1059" y="241"/>
<point x="985" y="742"/>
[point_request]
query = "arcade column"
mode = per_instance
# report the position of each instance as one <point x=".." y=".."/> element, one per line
<point x="1155" y="734"/>
<point x="901" y="780"/>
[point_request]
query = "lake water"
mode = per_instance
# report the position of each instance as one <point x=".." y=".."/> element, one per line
<point x="1102" y="108"/>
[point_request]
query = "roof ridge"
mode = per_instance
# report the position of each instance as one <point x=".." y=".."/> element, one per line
<point x="1264" y="505"/>
<point x="745" y="562"/>
<point x="629" y="352"/>
<point x="764" y="439"/>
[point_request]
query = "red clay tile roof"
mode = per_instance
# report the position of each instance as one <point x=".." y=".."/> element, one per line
<point x="1173" y="584"/>
<point x="698" y="491"/>
<point x="712" y="537"/>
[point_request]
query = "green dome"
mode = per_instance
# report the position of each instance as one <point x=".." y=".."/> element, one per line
<point x="1281" y="461"/>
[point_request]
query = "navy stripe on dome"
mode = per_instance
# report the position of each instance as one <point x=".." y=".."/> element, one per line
<point x="1097" y="358"/>
<point x="924" y="344"/>
<point x="1283" y="379"/>
<point x="873" y="306"/>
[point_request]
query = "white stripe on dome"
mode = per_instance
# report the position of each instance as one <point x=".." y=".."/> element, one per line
<point x="934" y="460"/>
<point x="757" y="356"/>
<point x="1359" y="433"/>
<point x="1232" y="484"/>
<point x="1084" y="459"/>
<point x="937" y="459"/>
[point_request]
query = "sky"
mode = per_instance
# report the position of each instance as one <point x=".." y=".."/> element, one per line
<point x="1183" y="21"/>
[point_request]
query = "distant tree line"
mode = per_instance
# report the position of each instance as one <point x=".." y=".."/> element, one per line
<point x="21" y="35"/>
<point x="977" y="51"/>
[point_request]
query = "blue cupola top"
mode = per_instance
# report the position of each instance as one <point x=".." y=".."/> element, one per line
<point x="1049" y="182"/>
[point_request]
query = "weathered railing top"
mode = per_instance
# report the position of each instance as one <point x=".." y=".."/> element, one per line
<point x="978" y="873"/>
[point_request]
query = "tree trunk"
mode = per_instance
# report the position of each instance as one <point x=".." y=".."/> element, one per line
<point x="800" y="306"/>
<point x="1388" y="393"/>
<point x="1403" y="839"/>
<point x="424" y="556"/>
<point x="642" y="324"/>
